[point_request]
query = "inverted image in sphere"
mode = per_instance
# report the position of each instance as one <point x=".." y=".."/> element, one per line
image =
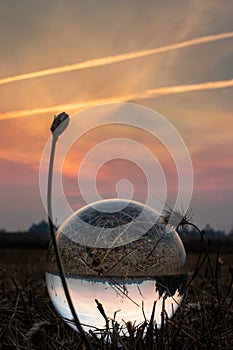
<point x="117" y="252"/>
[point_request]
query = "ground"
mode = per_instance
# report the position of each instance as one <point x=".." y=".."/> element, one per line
<point x="29" y="321"/>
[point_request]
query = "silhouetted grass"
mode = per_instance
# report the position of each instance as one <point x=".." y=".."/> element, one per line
<point x="203" y="321"/>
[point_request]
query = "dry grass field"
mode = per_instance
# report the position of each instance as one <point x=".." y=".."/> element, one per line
<point x="29" y="321"/>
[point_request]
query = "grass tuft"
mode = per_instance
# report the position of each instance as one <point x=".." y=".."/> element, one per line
<point x="203" y="321"/>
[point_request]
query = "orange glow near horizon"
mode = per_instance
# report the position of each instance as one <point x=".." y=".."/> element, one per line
<point x="183" y="71"/>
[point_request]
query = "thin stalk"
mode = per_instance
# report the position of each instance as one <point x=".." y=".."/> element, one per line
<point x="56" y="250"/>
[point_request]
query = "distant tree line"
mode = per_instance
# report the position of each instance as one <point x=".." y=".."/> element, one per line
<point x="208" y="231"/>
<point x="38" y="236"/>
<point x="216" y="240"/>
<point x="41" y="227"/>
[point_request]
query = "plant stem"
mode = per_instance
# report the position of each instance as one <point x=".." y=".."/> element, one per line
<point x="56" y="250"/>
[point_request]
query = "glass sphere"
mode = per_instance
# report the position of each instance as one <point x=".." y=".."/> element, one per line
<point x="117" y="253"/>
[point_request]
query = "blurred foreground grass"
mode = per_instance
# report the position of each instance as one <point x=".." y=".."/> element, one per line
<point x="29" y="321"/>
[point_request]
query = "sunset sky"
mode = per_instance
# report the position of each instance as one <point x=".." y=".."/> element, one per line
<point x="175" y="57"/>
<point x="84" y="293"/>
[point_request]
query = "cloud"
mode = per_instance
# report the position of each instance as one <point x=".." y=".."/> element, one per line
<point x="150" y="93"/>
<point x="103" y="61"/>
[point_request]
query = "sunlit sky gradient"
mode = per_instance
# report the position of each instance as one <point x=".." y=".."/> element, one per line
<point x="38" y="36"/>
<point x="128" y="308"/>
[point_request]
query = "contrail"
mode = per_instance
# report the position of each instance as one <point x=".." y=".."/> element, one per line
<point x="161" y="91"/>
<point x="104" y="61"/>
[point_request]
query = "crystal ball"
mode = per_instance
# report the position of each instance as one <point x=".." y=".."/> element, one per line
<point x="117" y="253"/>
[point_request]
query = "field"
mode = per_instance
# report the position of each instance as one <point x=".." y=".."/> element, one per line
<point x="29" y="321"/>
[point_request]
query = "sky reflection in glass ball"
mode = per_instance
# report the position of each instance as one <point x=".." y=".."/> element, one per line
<point x="117" y="252"/>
